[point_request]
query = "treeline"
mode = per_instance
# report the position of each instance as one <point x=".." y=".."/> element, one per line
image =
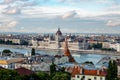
<point x="99" y="46"/>
<point x="8" y="42"/>
<point x="108" y="49"/>
<point x="95" y="46"/>
<point x="54" y="74"/>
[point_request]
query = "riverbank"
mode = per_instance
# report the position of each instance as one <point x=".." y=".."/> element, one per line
<point x="72" y="51"/>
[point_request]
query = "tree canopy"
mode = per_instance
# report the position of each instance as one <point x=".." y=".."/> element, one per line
<point x="33" y="51"/>
<point x="6" y="51"/>
<point x="6" y="74"/>
<point x="112" y="71"/>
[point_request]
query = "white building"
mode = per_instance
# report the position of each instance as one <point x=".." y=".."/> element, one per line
<point x="118" y="70"/>
<point x="115" y="46"/>
<point x="34" y="66"/>
<point x="78" y="73"/>
<point x="58" y="42"/>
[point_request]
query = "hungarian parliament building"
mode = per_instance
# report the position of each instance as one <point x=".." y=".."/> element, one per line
<point x="57" y="41"/>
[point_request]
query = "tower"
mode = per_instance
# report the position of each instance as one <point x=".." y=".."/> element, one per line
<point x="58" y="38"/>
<point x="67" y="52"/>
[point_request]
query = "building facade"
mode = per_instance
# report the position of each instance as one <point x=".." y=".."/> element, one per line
<point x="57" y="42"/>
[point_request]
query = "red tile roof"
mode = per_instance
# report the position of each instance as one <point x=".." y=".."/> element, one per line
<point x="23" y="71"/>
<point x="77" y="70"/>
<point x="90" y="72"/>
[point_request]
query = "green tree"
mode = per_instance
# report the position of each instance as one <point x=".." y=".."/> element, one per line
<point x="30" y="77"/>
<point x="109" y="74"/>
<point x="115" y="70"/>
<point x="6" y="74"/>
<point x="2" y="41"/>
<point x="8" y="42"/>
<point x="112" y="71"/>
<point x="33" y="51"/>
<point x="62" y="69"/>
<point x="6" y="51"/>
<point x="24" y="43"/>
<point x="43" y="76"/>
<point x="61" y="76"/>
<point x="97" y="46"/>
<point x="52" y="68"/>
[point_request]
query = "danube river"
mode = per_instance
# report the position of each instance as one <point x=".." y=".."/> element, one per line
<point x="79" y="56"/>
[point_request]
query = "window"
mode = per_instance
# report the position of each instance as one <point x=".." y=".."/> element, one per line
<point x="101" y="78"/>
<point x="83" y="78"/>
<point x="95" y="78"/>
<point x="89" y="79"/>
<point x="78" y="76"/>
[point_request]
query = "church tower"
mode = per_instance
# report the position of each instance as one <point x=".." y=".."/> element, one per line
<point x="67" y="52"/>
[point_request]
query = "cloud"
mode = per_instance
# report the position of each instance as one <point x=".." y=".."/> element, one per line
<point x="11" y="24"/>
<point x="97" y="1"/>
<point x="61" y="1"/>
<point x="69" y="14"/>
<point x="8" y="1"/>
<point x="16" y="6"/>
<point x="114" y="8"/>
<point x="8" y="26"/>
<point x="113" y="23"/>
<point x="11" y="1"/>
<point x="12" y="10"/>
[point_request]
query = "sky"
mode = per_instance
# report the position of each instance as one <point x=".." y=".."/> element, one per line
<point x="71" y="16"/>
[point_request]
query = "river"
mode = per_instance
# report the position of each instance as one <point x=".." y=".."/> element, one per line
<point x="82" y="58"/>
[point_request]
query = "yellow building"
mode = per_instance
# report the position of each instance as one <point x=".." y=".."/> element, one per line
<point x="10" y="63"/>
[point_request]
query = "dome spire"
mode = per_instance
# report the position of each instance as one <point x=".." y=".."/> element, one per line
<point x="58" y="32"/>
<point x="58" y="28"/>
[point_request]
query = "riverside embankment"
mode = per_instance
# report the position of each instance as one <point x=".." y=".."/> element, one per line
<point x="72" y="51"/>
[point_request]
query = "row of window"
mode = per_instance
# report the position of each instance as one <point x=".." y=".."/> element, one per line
<point x="83" y="77"/>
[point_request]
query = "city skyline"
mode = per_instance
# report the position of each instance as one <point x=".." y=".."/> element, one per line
<point x="45" y="16"/>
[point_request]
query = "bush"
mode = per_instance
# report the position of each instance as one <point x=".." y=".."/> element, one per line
<point x="88" y="62"/>
<point x="108" y="49"/>
<point x="6" y="51"/>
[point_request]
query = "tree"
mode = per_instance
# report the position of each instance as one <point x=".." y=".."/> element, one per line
<point x="2" y="41"/>
<point x="61" y="76"/>
<point x="109" y="71"/>
<point x="112" y="71"/>
<point x="6" y="51"/>
<point x="115" y="70"/>
<point x="89" y="62"/>
<point x="33" y="51"/>
<point x="6" y="74"/>
<point x="52" y="68"/>
<point x="24" y="43"/>
<point x="97" y="46"/>
<point x="43" y="76"/>
<point x="8" y="42"/>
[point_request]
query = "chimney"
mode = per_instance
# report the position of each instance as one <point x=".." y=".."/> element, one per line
<point x="81" y="70"/>
<point x="98" y="71"/>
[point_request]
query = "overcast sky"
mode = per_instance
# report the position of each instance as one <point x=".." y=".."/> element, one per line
<point x="44" y="16"/>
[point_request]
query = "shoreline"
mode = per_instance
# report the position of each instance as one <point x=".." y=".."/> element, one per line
<point x="80" y="51"/>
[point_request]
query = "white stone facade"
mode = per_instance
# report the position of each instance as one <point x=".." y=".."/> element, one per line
<point x="88" y="77"/>
<point x="115" y="46"/>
